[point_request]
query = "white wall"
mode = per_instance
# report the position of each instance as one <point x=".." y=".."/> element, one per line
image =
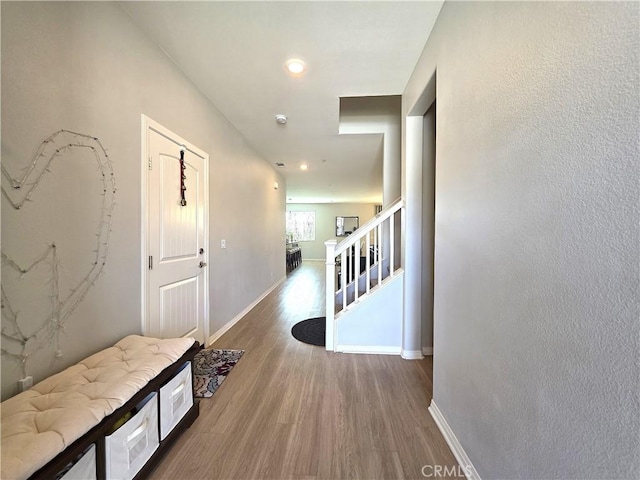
<point x="326" y="214"/>
<point x="375" y="326"/>
<point x="377" y="115"/>
<point x="86" y="67"/>
<point x="536" y="251"/>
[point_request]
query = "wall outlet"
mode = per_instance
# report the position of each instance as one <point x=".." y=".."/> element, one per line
<point x="25" y="384"/>
<point x="223" y="243"/>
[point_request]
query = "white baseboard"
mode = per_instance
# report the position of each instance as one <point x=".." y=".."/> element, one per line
<point x="427" y="351"/>
<point x="369" y="350"/>
<point x="239" y="316"/>
<point x="461" y="456"/>
<point x="412" y="354"/>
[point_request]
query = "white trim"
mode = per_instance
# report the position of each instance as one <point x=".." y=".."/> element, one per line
<point x="146" y="125"/>
<point x="412" y="354"/>
<point x="368" y="350"/>
<point x="427" y="351"/>
<point x="461" y="456"/>
<point x="225" y="328"/>
<point x="329" y="301"/>
<point x="144" y="209"/>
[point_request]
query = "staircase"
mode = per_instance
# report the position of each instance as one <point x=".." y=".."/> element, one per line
<point x="365" y="287"/>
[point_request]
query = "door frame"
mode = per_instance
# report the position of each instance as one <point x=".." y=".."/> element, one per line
<point x="146" y="125"/>
<point x="413" y="222"/>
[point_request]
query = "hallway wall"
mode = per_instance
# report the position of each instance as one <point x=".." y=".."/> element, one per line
<point x="86" y="67"/>
<point x="326" y="214"/>
<point x="536" y="250"/>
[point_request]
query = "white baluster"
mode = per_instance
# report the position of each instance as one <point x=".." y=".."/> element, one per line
<point x="355" y="251"/>
<point x="379" y="251"/>
<point x="344" y="281"/>
<point x="368" y="261"/>
<point x="392" y="235"/>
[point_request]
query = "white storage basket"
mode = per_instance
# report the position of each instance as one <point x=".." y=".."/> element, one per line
<point x="176" y="398"/>
<point x="128" y="448"/>
<point x="85" y="468"/>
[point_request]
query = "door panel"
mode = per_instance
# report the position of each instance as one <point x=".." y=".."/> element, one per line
<point x="179" y="300"/>
<point x="179" y="228"/>
<point x="176" y="238"/>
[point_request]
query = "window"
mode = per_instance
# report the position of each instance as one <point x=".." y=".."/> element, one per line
<point x="301" y="226"/>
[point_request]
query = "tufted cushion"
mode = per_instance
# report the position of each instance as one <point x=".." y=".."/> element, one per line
<point x="41" y="422"/>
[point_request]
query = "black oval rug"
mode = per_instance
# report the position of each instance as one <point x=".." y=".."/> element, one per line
<point x="312" y="331"/>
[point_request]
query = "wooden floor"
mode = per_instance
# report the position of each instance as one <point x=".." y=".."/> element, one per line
<point x="294" y="411"/>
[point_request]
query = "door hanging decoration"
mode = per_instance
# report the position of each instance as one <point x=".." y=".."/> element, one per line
<point x="183" y="177"/>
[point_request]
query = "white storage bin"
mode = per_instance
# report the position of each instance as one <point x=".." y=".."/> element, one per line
<point x="85" y="468"/>
<point x="176" y="398"/>
<point x="128" y="448"/>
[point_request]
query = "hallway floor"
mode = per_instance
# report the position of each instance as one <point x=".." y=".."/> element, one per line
<point x="294" y="411"/>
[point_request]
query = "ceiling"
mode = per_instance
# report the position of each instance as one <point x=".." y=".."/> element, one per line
<point x="235" y="52"/>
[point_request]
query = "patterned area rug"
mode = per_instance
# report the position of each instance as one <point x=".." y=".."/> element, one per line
<point x="210" y="368"/>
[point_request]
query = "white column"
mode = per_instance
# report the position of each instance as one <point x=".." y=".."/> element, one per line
<point x="411" y="331"/>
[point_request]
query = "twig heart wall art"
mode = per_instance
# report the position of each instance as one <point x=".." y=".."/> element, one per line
<point x="27" y="329"/>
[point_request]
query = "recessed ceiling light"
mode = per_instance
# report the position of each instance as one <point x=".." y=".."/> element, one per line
<point x="304" y="166"/>
<point x="295" y="66"/>
<point x="281" y="118"/>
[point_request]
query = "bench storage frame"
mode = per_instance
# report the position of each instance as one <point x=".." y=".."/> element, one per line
<point x="97" y="434"/>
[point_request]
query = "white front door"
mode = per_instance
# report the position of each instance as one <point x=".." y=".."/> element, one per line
<point x="176" y="256"/>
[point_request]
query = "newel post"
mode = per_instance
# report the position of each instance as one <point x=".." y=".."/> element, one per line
<point x="330" y="292"/>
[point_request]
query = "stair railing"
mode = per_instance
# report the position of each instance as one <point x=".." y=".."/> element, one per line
<point x="380" y="261"/>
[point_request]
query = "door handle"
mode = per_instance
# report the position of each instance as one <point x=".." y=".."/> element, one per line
<point x="203" y="264"/>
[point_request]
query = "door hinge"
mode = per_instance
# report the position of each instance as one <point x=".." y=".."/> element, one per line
<point x="150" y="162"/>
<point x="150" y="262"/>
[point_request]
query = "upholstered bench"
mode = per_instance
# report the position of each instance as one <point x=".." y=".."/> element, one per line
<point x="119" y="408"/>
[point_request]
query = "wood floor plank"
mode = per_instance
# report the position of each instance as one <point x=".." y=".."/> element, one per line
<point x="289" y="410"/>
